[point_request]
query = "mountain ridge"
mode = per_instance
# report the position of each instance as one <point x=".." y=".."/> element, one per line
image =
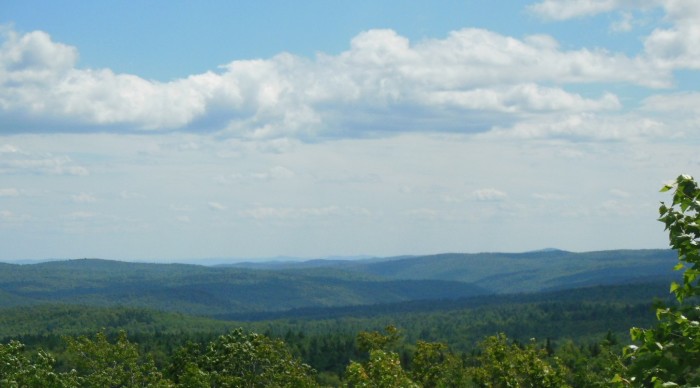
<point x="240" y="289"/>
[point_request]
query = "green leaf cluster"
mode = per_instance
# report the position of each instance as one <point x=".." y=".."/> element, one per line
<point x="101" y="363"/>
<point x="669" y="353"/>
<point x="503" y="364"/>
<point x="241" y="359"/>
<point x="18" y="370"/>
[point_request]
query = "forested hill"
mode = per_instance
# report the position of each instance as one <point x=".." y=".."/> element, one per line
<point x="283" y="286"/>
<point x="205" y="290"/>
<point x="508" y="272"/>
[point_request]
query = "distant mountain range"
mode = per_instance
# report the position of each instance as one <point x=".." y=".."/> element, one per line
<point x="543" y="270"/>
<point x="280" y="286"/>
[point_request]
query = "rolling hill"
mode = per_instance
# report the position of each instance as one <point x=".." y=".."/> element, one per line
<point x="509" y="272"/>
<point x="274" y="287"/>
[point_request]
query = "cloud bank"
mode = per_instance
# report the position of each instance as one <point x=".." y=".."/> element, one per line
<point x="472" y="81"/>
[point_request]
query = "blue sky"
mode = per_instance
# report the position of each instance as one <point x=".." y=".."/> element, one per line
<point x="182" y="130"/>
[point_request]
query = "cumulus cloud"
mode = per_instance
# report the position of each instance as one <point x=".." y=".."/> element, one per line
<point x="524" y="98"/>
<point x="33" y="58"/>
<point x="383" y="82"/>
<point x="674" y="47"/>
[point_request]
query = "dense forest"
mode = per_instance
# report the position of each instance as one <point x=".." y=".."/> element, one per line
<point x="566" y="328"/>
<point x="396" y="322"/>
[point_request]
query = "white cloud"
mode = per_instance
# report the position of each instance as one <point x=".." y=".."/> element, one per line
<point x="81" y="215"/>
<point x="677" y="47"/>
<point x="620" y="193"/>
<point x="7" y="216"/>
<point x="216" y="206"/>
<point x="382" y="77"/>
<point x="676" y="103"/>
<point x="301" y="213"/>
<point x="283" y="213"/>
<point x="33" y="58"/>
<point x="9" y="192"/>
<point x="183" y="219"/>
<point x="523" y="98"/>
<point x="180" y="208"/>
<point x="625" y="24"/>
<point x="83" y="198"/>
<point x="8" y="149"/>
<point x="274" y="173"/>
<point x="424" y="214"/>
<point x="550" y="196"/>
<point x="674" y="47"/>
<point x="585" y="126"/>
<point x="569" y="9"/>
<point x="489" y="194"/>
<point x="446" y="198"/>
<point x="36" y="164"/>
<point x="124" y="194"/>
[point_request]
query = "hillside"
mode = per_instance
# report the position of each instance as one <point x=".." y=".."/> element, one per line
<point x="60" y="319"/>
<point x="582" y="314"/>
<point x="204" y="290"/>
<point x="509" y="272"/>
<point x="276" y="287"/>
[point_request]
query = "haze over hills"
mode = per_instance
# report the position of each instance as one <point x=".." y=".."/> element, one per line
<point x="205" y="261"/>
<point x="280" y="286"/>
<point x="542" y="270"/>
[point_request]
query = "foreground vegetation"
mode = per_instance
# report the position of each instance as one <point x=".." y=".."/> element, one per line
<point x="242" y="358"/>
<point x="667" y="354"/>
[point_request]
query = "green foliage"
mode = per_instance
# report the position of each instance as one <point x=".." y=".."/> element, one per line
<point x="368" y="341"/>
<point x="434" y="365"/>
<point x="682" y="220"/>
<point x="383" y="370"/>
<point x="241" y="359"/>
<point x="16" y="370"/>
<point x="254" y="360"/>
<point x="501" y="364"/>
<point x="100" y="363"/>
<point x="74" y="320"/>
<point x="591" y="366"/>
<point x="669" y="353"/>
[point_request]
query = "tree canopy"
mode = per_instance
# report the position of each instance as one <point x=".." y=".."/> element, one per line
<point x="669" y="353"/>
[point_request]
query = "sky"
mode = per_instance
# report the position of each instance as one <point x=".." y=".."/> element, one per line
<point x="179" y="130"/>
